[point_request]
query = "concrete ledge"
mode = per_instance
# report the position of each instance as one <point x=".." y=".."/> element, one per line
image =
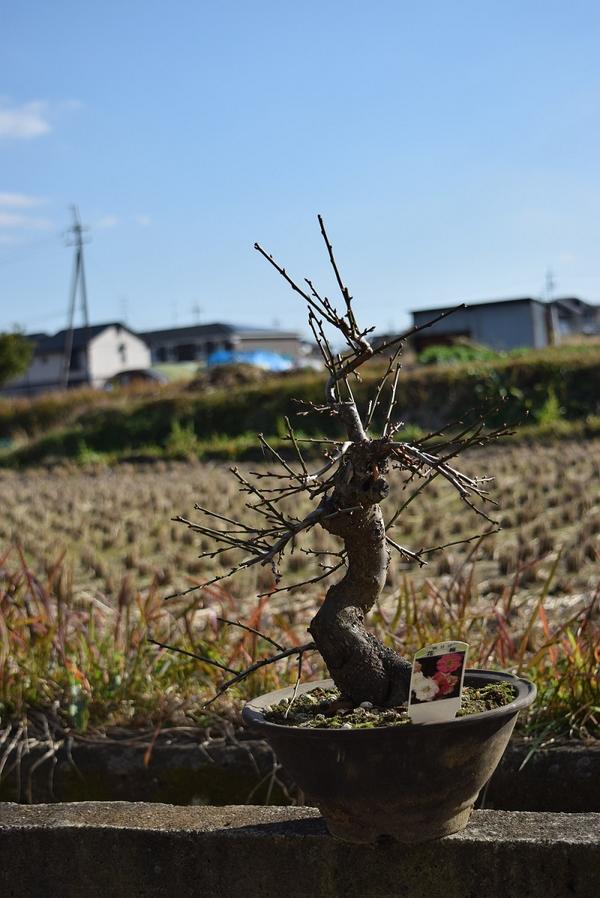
<point x="121" y="850"/>
<point x="561" y="777"/>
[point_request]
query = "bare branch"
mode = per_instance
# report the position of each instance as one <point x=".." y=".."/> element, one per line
<point x="221" y="517"/>
<point x="375" y="401"/>
<point x="321" y="440"/>
<point x="460" y="542"/>
<point x="290" y="587"/>
<point x="272" y="659"/>
<point x="392" y="403"/>
<point x="211" y="661"/>
<point x="296" y="684"/>
<point x="280" y="459"/>
<point x="410" y="499"/>
<point x="292" y="437"/>
<point x="387" y="344"/>
<point x="319" y="307"/>
<point x="237" y="623"/>
<point x="353" y="327"/>
<point x="406" y="553"/>
<point x="316" y="326"/>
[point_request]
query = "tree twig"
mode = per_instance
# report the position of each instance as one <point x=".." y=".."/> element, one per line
<point x="205" y="660"/>
<point x="272" y="659"/>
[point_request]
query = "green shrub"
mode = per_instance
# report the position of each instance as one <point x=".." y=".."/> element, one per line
<point x="551" y="411"/>
<point x="455" y="354"/>
<point x="182" y="441"/>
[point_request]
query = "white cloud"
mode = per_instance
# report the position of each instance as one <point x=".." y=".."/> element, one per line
<point x="20" y="221"/>
<point x="23" y="122"/>
<point x="20" y="200"/>
<point x="107" y="221"/>
<point x="144" y="221"/>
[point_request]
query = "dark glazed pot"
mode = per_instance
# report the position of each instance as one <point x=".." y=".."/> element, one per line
<point x="412" y="782"/>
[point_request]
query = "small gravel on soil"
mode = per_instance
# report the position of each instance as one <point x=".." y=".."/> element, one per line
<point x="325" y="709"/>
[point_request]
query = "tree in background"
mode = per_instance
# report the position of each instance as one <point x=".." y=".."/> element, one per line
<point x="15" y="355"/>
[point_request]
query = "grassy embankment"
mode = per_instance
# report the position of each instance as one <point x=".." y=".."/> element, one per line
<point x="551" y="393"/>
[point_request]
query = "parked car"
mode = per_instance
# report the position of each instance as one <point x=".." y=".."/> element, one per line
<point x="135" y="375"/>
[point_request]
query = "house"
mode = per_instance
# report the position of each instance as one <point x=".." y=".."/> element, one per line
<point x="98" y="352"/>
<point x="509" y="323"/>
<point x="197" y="342"/>
<point x="575" y="316"/>
<point x="500" y="324"/>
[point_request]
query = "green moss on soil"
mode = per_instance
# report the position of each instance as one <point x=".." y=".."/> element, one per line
<point x="324" y="709"/>
<point x="486" y="698"/>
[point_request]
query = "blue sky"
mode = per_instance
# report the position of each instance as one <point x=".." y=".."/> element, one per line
<point x="453" y="148"/>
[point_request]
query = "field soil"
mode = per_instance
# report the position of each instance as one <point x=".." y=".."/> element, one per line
<point x="115" y="522"/>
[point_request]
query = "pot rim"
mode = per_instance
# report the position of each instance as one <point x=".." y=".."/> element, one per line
<point x="253" y="711"/>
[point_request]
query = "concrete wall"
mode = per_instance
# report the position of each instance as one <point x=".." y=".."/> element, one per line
<point x="125" y="850"/>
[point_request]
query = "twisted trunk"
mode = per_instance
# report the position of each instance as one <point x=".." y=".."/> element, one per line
<point x="361" y="666"/>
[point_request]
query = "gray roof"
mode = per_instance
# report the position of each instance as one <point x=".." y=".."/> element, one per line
<point x="573" y="305"/>
<point x="488" y="302"/>
<point x="46" y="343"/>
<point x="216" y="329"/>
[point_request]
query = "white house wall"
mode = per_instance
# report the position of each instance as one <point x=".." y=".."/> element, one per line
<point x="115" y="350"/>
<point x="44" y="372"/>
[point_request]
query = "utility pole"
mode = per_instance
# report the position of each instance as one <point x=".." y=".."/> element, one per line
<point x="551" y="311"/>
<point x="75" y="238"/>
<point x="550" y="285"/>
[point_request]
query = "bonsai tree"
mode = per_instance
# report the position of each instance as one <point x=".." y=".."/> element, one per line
<point x="346" y="493"/>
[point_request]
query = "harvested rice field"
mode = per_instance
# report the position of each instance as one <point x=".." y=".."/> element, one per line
<point x="112" y="522"/>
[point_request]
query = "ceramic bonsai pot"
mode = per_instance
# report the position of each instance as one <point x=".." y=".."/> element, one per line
<point x="412" y="782"/>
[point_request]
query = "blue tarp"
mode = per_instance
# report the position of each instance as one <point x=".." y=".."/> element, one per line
<point x="261" y="358"/>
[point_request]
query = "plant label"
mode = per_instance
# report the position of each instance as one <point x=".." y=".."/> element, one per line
<point x="436" y="682"/>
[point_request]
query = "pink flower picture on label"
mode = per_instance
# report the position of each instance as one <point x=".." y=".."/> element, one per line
<point x="437" y="677"/>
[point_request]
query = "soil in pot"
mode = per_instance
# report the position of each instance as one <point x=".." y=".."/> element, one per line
<point x="324" y="708"/>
